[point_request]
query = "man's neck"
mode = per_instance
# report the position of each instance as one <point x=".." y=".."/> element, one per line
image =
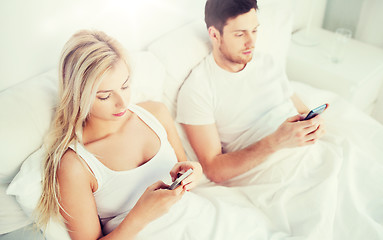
<point x="226" y="64"/>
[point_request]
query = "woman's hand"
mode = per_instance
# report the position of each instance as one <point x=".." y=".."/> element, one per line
<point x="156" y="201"/>
<point x="192" y="180"/>
<point x="153" y="203"/>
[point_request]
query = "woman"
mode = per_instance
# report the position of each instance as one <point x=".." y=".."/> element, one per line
<point x="104" y="152"/>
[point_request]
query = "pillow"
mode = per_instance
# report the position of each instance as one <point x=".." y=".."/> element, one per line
<point x="276" y="23"/>
<point x="26" y="113"/>
<point x="179" y="51"/>
<point x="148" y="75"/>
<point x="27" y="188"/>
<point x="12" y="212"/>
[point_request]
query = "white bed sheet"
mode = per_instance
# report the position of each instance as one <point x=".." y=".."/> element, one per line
<point x="330" y="190"/>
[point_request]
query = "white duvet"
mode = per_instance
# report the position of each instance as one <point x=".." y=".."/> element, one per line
<point x="330" y="190"/>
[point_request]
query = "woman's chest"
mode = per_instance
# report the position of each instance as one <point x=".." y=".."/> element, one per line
<point x="127" y="150"/>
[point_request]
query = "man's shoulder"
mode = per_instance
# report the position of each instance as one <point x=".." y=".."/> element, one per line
<point x="264" y="59"/>
<point x="202" y="69"/>
<point x="199" y="75"/>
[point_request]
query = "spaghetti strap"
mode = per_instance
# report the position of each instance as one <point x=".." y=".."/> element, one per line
<point x="149" y="120"/>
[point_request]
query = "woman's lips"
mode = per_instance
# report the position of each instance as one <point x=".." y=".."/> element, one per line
<point x="247" y="52"/>
<point x="120" y="114"/>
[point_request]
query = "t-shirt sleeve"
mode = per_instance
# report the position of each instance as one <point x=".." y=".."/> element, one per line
<point x="195" y="102"/>
<point x="282" y="76"/>
<point x="279" y="73"/>
<point x="286" y="85"/>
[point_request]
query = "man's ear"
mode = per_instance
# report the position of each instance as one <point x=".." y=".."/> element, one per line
<point x="214" y="35"/>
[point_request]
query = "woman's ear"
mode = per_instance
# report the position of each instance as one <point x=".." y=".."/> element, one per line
<point x="214" y="35"/>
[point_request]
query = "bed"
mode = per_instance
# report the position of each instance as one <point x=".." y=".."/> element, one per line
<point x="170" y="53"/>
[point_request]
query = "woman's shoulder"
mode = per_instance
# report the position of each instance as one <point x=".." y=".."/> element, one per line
<point x="72" y="166"/>
<point x="74" y="175"/>
<point x="158" y="110"/>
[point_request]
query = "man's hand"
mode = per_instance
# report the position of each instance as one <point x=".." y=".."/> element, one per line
<point x="293" y="132"/>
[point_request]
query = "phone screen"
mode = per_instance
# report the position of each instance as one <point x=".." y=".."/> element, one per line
<point x="316" y="111"/>
<point x="178" y="181"/>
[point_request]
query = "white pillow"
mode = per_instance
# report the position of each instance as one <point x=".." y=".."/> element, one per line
<point x="276" y="23"/>
<point x="148" y="76"/>
<point x="13" y="217"/>
<point x="25" y="116"/>
<point x="179" y="51"/>
<point x="27" y="188"/>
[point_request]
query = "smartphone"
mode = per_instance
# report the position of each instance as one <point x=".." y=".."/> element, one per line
<point x="178" y="181"/>
<point x="316" y="111"/>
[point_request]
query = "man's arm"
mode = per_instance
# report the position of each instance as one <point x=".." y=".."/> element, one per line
<point x="220" y="167"/>
<point x="299" y="105"/>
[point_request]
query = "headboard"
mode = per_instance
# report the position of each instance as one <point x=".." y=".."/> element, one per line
<point x="34" y="32"/>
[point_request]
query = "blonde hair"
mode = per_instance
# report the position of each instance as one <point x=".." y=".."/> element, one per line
<point x="85" y="60"/>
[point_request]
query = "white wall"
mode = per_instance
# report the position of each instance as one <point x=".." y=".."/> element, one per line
<point x="308" y="12"/>
<point x="28" y="25"/>
<point x="369" y="28"/>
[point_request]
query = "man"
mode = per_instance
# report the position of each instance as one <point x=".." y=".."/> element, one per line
<point x="221" y="101"/>
<point x="247" y="129"/>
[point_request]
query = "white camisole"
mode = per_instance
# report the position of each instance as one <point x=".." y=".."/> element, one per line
<point x="118" y="191"/>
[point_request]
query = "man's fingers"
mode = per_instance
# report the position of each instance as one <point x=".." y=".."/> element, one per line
<point x="295" y="118"/>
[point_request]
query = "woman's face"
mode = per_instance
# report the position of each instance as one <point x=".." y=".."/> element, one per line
<point x="113" y="94"/>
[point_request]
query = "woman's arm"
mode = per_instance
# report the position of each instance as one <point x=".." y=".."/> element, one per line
<point x="153" y="203"/>
<point x="78" y="206"/>
<point x="161" y="112"/>
<point x="79" y="210"/>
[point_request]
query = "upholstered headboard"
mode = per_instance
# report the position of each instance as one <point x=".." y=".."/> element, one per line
<point x="33" y="32"/>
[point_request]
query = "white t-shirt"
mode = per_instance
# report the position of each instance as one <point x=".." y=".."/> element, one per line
<point x="245" y="106"/>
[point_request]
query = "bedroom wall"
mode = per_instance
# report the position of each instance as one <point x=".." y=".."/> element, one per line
<point x="369" y="28"/>
<point x="363" y="17"/>
<point x="33" y="32"/>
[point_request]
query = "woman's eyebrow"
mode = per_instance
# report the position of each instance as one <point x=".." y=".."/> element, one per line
<point x="106" y="91"/>
<point x="127" y="79"/>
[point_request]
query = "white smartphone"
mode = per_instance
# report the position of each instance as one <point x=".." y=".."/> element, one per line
<point x="178" y="181"/>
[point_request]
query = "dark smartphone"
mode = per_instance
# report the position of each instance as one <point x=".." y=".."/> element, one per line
<point x="316" y="111"/>
<point x="178" y="181"/>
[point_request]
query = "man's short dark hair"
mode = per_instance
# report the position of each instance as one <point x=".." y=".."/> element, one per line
<point x="217" y="12"/>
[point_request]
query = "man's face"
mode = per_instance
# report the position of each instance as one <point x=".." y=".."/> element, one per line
<point x="238" y="37"/>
